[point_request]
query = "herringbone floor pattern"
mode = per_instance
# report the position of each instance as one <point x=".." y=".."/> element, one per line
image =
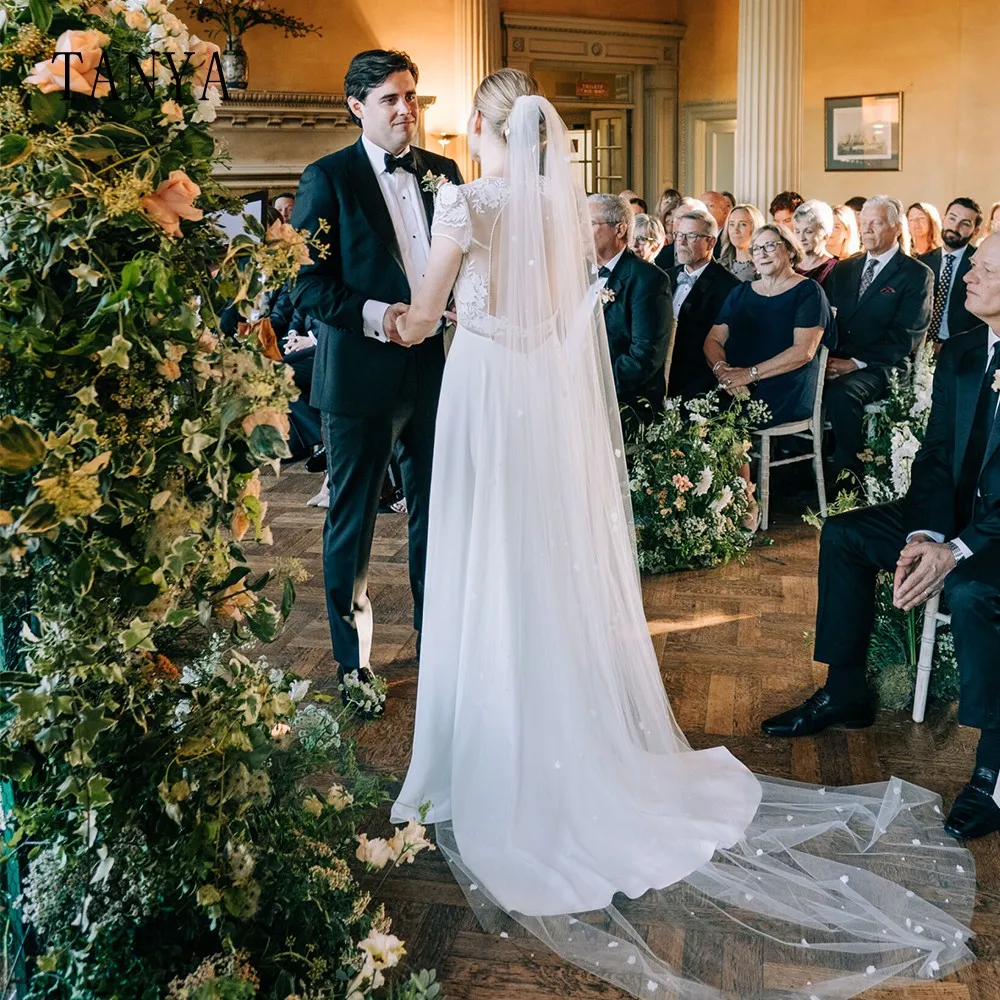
<point x="734" y="647"/>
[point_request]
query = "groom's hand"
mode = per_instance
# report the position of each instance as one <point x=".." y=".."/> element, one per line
<point x="389" y="327"/>
<point x="920" y="571"/>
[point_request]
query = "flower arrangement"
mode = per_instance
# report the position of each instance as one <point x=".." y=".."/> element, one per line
<point x="687" y="495"/>
<point x="165" y="823"/>
<point x="235" y="17"/>
<point x="894" y="431"/>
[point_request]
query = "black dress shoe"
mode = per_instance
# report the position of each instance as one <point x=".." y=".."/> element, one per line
<point x="974" y="812"/>
<point x="316" y="462"/>
<point x="818" y="712"/>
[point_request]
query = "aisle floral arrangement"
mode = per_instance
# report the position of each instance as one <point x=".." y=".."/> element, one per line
<point x="894" y="431"/>
<point x="688" y="498"/>
<point x="166" y="835"/>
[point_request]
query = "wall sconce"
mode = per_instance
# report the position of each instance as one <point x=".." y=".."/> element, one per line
<point x="444" y="138"/>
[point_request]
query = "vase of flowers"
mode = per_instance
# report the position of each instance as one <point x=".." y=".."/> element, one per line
<point x="235" y="18"/>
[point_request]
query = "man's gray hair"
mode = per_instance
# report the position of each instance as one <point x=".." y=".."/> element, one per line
<point x="815" y="213"/>
<point x="614" y="209"/>
<point x="895" y="215"/>
<point x="702" y="215"/>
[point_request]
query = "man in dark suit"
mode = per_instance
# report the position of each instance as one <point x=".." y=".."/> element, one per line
<point x="882" y="300"/>
<point x="666" y="258"/>
<point x="636" y="300"/>
<point x="372" y="391"/>
<point x="700" y="286"/>
<point x="943" y="535"/>
<point x="950" y="264"/>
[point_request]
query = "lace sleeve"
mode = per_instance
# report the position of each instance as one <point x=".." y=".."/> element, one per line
<point x="451" y="216"/>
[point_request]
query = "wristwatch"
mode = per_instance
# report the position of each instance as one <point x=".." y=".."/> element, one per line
<point x="956" y="551"/>
<point x="755" y="373"/>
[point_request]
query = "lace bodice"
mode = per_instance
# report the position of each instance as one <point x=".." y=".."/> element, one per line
<point x="468" y="215"/>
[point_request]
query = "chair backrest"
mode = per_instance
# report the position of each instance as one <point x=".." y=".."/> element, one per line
<point x="817" y="417"/>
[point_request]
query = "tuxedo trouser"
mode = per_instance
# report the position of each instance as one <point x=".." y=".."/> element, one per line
<point x="358" y="451"/>
<point x="845" y="399"/>
<point x="853" y="548"/>
<point x="304" y="419"/>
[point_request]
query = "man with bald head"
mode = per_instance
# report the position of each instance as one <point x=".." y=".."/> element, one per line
<point x="944" y="535"/>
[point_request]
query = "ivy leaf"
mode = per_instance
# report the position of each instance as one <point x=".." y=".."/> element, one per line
<point x="116" y="353"/>
<point x="287" y="597"/>
<point x="81" y="575"/>
<point x="20" y="765"/>
<point x="183" y="552"/>
<point x="14" y="149"/>
<point x="114" y="560"/>
<point x="267" y="442"/>
<point x="41" y="14"/>
<point x="39" y="518"/>
<point x="48" y="109"/>
<point x="93" y="148"/>
<point x="21" y="446"/>
<point x="179" y="616"/>
<point x="136" y="636"/>
<point x="93" y="723"/>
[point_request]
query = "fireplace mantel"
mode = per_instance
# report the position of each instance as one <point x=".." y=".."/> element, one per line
<point x="271" y="136"/>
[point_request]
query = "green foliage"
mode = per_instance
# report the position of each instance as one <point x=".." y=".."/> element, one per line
<point x="235" y="17"/>
<point x="165" y="821"/>
<point x="688" y="498"/>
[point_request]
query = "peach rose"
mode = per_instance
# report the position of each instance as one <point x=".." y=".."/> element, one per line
<point x="50" y="76"/>
<point x="268" y="416"/>
<point x="231" y="602"/>
<point x="173" y="201"/>
<point x="201" y="60"/>
<point x="170" y="370"/>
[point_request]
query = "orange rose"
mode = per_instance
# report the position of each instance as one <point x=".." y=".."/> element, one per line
<point x="201" y="60"/>
<point x="173" y="201"/>
<point x="231" y="602"/>
<point x="50" y="76"/>
<point x="268" y="416"/>
<point x="170" y="370"/>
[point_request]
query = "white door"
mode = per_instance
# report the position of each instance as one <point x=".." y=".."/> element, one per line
<point x="610" y="151"/>
<point x="720" y="156"/>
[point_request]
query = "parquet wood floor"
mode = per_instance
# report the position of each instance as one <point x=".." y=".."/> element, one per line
<point x="734" y="647"/>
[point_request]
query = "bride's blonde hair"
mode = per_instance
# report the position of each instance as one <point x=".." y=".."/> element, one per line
<point x="496" y="95"/>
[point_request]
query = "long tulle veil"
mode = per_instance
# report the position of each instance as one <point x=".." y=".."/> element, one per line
<point x="800" y="891"/>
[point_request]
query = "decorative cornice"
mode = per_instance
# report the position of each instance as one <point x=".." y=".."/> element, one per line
<point x="269" y="109"/>
<point x="577" y="25"/>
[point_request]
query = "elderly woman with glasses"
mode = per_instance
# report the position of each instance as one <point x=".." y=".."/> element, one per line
<point x="648" y="237"/>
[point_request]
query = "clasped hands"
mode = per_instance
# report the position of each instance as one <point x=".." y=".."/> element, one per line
<point x="836" y="367"/>
<point x="733" y="380"/>
<point x="394" y="325"/>
<point x="920" y="571"/>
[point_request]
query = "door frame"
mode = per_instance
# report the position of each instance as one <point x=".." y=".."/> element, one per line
<point x="693" y="117"/>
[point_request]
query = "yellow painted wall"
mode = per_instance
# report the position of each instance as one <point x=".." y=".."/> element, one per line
<point x="708" y="50"/>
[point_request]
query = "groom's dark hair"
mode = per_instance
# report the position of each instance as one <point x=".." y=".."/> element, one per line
<point x="371" y="69"/>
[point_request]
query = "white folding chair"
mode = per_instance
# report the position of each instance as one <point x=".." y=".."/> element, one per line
<point x="933" y="617"/>
<point x="810" y="429"/>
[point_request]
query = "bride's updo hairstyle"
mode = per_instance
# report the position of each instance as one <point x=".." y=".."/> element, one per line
<point x="496" y="95"/>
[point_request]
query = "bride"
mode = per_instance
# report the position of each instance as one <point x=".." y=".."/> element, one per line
<point x="545" y="749"/>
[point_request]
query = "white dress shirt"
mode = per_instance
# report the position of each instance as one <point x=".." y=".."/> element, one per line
<point x="684" y="290"/>
<point x="992" y="341"/>
<point x="881" y="259"/>
<point x="611" y="265"/>
<point x="401" y="192"/>
<point x="943" y="332"/>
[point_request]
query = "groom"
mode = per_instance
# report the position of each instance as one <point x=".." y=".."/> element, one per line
<point x="366" y="206"/>
<point x="943" y="535"/>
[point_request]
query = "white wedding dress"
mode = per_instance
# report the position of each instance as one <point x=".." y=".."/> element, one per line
<point x="545" y="750"/>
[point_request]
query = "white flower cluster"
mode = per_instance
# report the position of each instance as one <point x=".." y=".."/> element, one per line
<point x="368" y="698"/>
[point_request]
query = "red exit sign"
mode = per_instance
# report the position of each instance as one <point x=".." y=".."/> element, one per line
<point x="592" y="89"/>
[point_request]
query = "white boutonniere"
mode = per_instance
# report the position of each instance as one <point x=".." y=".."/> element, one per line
<point x="996" y="382"/>
<point x="607" y="295"/>
<point x="432" y="183"/>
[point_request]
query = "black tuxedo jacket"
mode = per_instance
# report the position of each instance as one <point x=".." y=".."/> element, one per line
<point x="930" y="502"/>
<point x="689" y="373"/>
<point x="666" y="258"/>
<point x="640" y="322"/>
<point x="960" y="320"/>
<point x="892" y="316"/>
<point x="356" y="375"/>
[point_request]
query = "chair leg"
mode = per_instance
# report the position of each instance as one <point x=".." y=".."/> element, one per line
<point x="764" y="486"/>
<point x="818" y="466"/>
<point x="925" y="658"/>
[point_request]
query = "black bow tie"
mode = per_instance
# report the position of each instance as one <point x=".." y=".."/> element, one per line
<point x="404" y="162"/>
<point x="603" y="272"/>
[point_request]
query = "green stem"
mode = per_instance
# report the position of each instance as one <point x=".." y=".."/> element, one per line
<point x="911" y="628"/>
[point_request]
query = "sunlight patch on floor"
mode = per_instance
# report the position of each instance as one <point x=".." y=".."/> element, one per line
<point x="660" y="627"/>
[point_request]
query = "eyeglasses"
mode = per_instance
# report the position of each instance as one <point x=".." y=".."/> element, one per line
<point x="768" y="247"/>
<point x="689" y="237"/>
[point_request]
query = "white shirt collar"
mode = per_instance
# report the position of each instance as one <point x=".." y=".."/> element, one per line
<point x="957" y="254"/>
<point x="696" y="272"/>
<point x="376" y="154"/>
<point x="992" y="340"/>
<point x="884" y="258"/>
<point x="613" y="263"/>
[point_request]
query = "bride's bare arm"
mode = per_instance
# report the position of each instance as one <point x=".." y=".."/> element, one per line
<point x="428" y="306"/>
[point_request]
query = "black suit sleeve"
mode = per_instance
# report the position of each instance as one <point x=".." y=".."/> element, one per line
<point x="930" y="501"/>
<point x="651" y="319"/>
<point x="320" y="289"/>
<point x="283" y="314"/>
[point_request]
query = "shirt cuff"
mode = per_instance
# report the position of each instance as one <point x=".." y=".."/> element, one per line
<point x="966" y="551"/>
<point x="863" y="364"/>
<point x="934" y="536"/>
<point x="373" y="316"/>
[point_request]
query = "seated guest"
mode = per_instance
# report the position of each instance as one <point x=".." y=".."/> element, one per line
<point x="638" y="206"/>
<point x="783" y="206"/>
<point x="636" y="302"/>
<point x="769" y="330"/>
<point x="882" y="301"/>
<point x="647" y="237"/>
<point x="924" y="223"/>
<point x="855" y="204"/>
<point x="701" y="286"/>
<point x="665" y="207"/>
<point x="950" y="263"/>
<point x="813" y="226"/>
<point x="283" y="204"/>
<point x="742" y="223"/>
<point x="844" y="241"/>
<point x="731" y="199"/>
<point x="993" y="219"/>
<point x="666" y="260"/>
<point x="943" y="535"/>
<point x="719" y="207"/>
